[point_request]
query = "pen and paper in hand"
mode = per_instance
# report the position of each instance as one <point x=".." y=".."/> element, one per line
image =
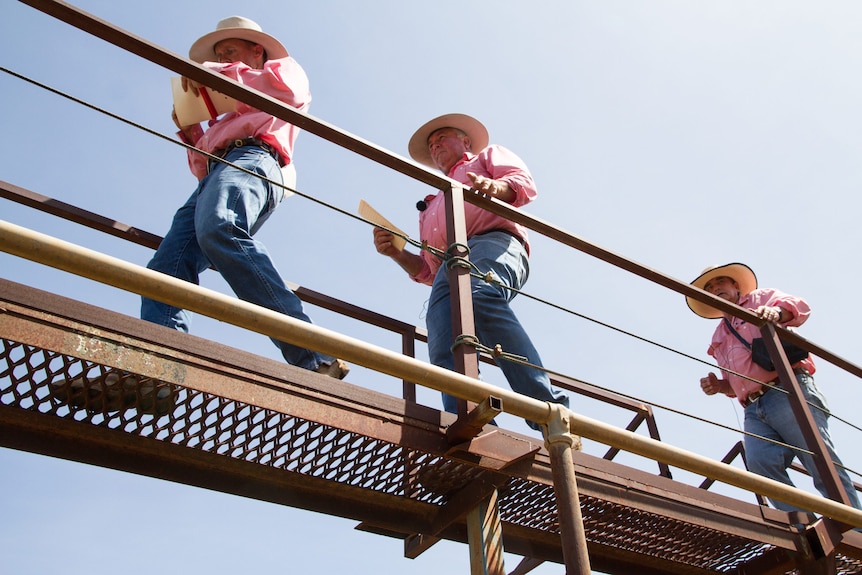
<point x="193" y="108"/>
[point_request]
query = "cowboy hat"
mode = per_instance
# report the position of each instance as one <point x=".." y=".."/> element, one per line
<point x="418" y="145"/>
<point x="740" y="273"/>
<point x="235" y="27"/>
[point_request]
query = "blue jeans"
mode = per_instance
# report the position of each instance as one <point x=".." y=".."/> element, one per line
<point x="215" y="228"/>
<point x="772" y="417"/>
<point x="494" y="319"/>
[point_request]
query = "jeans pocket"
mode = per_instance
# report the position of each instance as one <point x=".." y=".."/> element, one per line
<point x="814" y="395"/>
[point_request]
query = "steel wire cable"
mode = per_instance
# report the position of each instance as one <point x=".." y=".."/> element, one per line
<point x="497" y="351"/>
<point x="769" y="385"/>
<point x="445" y="256"/>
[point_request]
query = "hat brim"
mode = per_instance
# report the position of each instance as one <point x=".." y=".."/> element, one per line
<point x="203" y="50"/>
<point x="741" y="273"/>
<point x="475" y="130"/>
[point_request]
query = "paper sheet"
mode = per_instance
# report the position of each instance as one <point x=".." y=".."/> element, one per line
<point x="192" y="109"/>
<point x="372" y="215"/>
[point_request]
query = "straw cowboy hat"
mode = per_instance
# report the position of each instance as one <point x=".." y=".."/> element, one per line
<point x="741" y="273"/>
<point x="235" y="27"/>
<point x="418" y="145"/>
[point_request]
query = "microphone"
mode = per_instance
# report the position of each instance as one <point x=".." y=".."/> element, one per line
<point x="421" y="205"/>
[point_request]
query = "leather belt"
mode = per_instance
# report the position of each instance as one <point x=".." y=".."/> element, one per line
<point x="507" y="232"/>
<point x="797" y="370"/>
<point x="757" y="394"/>
<point x="244" y="142"/>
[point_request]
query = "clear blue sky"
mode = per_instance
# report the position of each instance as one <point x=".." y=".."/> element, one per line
<point x="679" y="134"/>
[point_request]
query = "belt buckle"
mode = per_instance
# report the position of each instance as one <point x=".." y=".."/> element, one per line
<point x="753" y="397"/>
<point x="239" y="143"/>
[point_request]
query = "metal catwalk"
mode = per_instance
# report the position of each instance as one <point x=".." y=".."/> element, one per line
<point x="250" y="426"/>
<point x="234" y="422"/>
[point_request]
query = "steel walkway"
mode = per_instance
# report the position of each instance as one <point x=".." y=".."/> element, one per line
<point x="259" y="428"/>
<point x="249" y="426"/>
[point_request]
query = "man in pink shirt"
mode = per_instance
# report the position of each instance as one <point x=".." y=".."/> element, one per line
<point x="769" y="417"/>
<point x="457" y="145"/>
<point x="215" y="227"/>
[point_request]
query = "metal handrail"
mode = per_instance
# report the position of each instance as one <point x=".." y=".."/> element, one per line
<point x="190" y="69"/>
<point x="561" y="423"/>
<point x="94" y="265"/>
<point x="409" y="332"/>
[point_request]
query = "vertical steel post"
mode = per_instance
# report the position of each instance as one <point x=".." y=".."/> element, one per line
<point x="408" y="348"/>
<point x="483" y="521"/>
<point x="485" y="536"/>
<point x="814" y="441"/>
<point x="460" y="294"/>
<point x="561" y="442"/>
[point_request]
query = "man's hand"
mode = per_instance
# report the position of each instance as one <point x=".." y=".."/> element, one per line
<point x="409" y="262"/>
<point x="494" y="188"/>
<point x="187" y="130"/>
<point x="712" y="385"/>
<point x="769" y="313"/>
<point x="189" y="84"/>
<point x="383" y="243"/>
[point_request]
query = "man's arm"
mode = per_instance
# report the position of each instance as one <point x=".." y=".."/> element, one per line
<point x="494" y="188"/>
<point x="504" y="166"/>
<point x="782" y="308"/>
<point x="188" y="134"/>
<point x="410" y="263"/>
<point x="712" y="385"/>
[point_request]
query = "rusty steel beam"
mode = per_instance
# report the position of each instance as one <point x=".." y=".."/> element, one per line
<point x="202" y="367"/>
<point x="42" y="319"/>
<point x="79" y="216"/>
<point x="485" y="537"/>
<point x="74" y="259"/>
<point x="185" y="67"/>
<point x="460" y="297"/>
<point x="561" y="444"/>
<point x="410" y="333"/>
<point x="555" y="232"/>
<point x="802" y="412"/>
<point x="526" y="565"/>
<point x="107" y="448"/>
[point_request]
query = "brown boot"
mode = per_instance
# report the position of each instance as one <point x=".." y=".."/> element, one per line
<point x="337" y="369"/>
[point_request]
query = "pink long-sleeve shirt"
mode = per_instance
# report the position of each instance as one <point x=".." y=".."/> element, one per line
<point x="283" y="79"/>
<point x="731" y="354"/>
<point x="494" y="162"/>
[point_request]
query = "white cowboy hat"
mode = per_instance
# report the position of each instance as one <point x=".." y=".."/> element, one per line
<point x="235" y="27"/>
<point x="418" y="145"/>
<point x="740" y="273"/>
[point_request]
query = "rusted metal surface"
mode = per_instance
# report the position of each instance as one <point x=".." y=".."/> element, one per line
<point x="410" y="334"/>
<point x="485" y="537"/>
<point x="561" y="444"/>
<point x="253" y="431"/>
<point x="75" y="214"/>
<point x="460" y="295"/>
<point x="258" y="428"/>
<point x="813" y="440"/>
<point x="183" y="66"/>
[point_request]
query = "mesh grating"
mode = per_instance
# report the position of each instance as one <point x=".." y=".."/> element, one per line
<point x="31" y="376"/>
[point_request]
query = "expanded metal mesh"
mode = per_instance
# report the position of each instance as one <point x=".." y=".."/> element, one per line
<point x="35" y="379"/>
<point x="30" y="378"/>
